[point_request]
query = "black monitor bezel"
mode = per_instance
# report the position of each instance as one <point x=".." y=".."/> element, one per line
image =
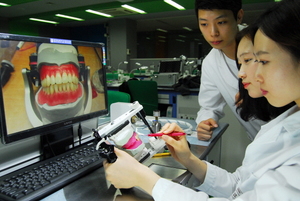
<point x="169" y="62"/>
<point x="49" y="128"/>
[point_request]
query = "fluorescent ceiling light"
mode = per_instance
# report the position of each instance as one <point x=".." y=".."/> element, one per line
<point x="69" y="17"/>
<point x="98" y="13"/>
<point x="161" y="37"/>
<point x="162" y="30"/>
<point x="179" y="40"/>
<point x="133" y="9"/>
<point x="4" y="4"/>
<point x="174" y="4"/>
<point x="186" y="28"/>
<point x="45" y="21"/>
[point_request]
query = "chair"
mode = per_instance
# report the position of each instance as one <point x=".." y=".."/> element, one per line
<point x="117" y="96"/>
<point x="145" y="92"/>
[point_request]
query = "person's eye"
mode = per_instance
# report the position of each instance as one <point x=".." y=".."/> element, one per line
<point x="263" y="62"/>
<point x="222" y="22"/>
<point x="247" y="60"/>
<point x="203" y="24"/>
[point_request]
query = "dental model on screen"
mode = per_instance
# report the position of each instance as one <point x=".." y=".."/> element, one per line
<point x="121" y="132"/>
<point x="62" y="84"/>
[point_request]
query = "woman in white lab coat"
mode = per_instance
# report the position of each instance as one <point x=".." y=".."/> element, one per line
<point x="250" y="101"/>
<point x="271" y="167"/>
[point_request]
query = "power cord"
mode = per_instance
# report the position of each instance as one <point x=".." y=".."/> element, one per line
<point x="79" y="133"/>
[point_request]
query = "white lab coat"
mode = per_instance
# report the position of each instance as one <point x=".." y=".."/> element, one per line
<point x="270" y="169"/>
<point x="219" y="85"/>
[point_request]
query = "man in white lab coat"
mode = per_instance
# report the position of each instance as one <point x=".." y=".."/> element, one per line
<point x="219" y="22"/>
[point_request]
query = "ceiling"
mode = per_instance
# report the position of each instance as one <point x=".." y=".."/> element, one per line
<point x="159" y="14"/>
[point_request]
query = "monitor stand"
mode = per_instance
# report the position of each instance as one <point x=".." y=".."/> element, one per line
<point x="57" y="142"/>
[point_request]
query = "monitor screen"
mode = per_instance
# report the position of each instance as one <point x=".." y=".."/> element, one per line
<point x="170" y="66"/>
<point x="48" y="83"/>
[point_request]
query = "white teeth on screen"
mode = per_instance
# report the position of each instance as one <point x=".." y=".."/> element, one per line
<point x="64" y="78"/>
<point x="60" y="83"/>
<point x="60" y="88"/>
<point x="52" y="79"/>
<point x="58" y="78"/>
<point x="64" y="87"/>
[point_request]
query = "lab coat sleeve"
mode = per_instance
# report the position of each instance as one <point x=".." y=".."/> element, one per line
<point x="218" y="182"/>
<point x="166" y="190"/>
<point x="280" y="184"/>
<point x="210" y="99"/>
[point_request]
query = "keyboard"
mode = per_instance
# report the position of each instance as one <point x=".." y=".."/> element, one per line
<point x="45" y="177"/>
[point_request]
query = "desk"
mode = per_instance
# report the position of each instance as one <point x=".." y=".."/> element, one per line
<point x="94" y="185"/>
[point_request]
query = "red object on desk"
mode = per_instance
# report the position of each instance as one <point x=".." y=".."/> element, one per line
<point x="160" y="134"/>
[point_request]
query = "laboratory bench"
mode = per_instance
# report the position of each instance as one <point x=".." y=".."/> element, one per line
<point x="95" y="187"/>
<point x="174" y="104"/>
<point x="184" y="107"/>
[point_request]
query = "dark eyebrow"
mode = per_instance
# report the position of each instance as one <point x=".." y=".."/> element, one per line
<point x="244" y="53"/>
<point x="221" y="16"/>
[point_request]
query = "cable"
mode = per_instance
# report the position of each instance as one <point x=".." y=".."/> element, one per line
<point x="50" y="146"/>
<point x="79" y="133"/>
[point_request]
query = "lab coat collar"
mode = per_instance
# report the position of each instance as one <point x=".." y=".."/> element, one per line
<point x="228" y="69"/>
<point x="289" y="123"/>
<point x="291" y="128"/>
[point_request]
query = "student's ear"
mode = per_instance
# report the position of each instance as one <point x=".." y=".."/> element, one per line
<point x="240" y="16"/>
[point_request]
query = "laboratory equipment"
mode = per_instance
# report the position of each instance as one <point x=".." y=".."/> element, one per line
<point x="121" y="132"/>
<point x="156" y="125"/>
<point x="169" y="72"/>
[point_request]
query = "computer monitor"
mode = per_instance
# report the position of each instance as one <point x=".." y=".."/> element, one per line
<point x="174" y="66"/>
<point x="49" y="84"/>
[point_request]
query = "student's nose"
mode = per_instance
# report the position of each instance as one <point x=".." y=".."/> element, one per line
<point x="242" y="74"/>
<point x="258" y="75"/>
<point x="214" y="30"/>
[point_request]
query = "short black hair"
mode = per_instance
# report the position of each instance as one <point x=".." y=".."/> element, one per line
<point x="232" y="5"/>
